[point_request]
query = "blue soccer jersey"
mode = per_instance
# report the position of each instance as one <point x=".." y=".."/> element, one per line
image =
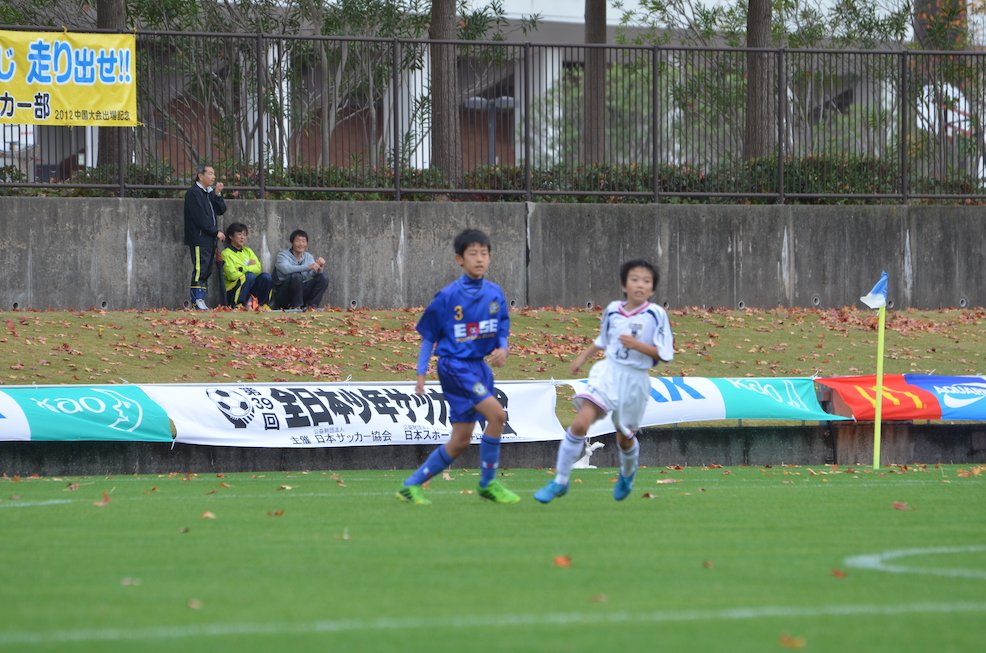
<point x="467" y="319"/>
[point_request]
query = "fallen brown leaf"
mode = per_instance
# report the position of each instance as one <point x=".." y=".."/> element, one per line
<point x="901" y="505"/>
<point x="838" y="573"/>
<point x="787" y="641"/>
<point x="104" y="502"/>
<point x="563" y="561"/>
<point x="208" y="515"/>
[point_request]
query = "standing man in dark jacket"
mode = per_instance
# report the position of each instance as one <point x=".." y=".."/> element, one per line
<point x="203" y="206"/>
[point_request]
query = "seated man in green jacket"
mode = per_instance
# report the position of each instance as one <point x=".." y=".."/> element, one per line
<point x="246" y="285"/>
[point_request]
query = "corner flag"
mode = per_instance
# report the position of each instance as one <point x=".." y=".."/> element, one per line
<point x="877" y="298"/>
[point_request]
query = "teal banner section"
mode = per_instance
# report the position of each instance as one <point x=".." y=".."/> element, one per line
<point x="123" y="413"/>
<point x="791" y="398"/>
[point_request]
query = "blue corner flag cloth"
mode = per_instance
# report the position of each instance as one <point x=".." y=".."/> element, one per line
<point x="878" y="296"/>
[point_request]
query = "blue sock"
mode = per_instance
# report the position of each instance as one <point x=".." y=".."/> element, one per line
<point x="437" y="461"/>
<point x="489" y="459"/>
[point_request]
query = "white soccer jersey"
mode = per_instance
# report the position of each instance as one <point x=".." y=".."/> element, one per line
<point x="648" y="323"/>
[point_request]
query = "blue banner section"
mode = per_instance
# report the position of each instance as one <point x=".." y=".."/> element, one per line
<point x="960" y="397"/>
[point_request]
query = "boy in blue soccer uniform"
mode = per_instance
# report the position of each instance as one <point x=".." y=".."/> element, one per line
<point x="466" y="322"/>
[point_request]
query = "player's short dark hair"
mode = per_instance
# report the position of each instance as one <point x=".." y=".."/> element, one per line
<point x="471" y="237"/>
<point x="296" y="233"/>
<point x="637" y="263"/>
<point x="235" y="228"/>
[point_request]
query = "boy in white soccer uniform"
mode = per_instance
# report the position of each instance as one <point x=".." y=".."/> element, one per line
<point x="635" y="334"/>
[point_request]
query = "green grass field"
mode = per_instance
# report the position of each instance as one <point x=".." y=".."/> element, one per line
<point x="700" y="559"/>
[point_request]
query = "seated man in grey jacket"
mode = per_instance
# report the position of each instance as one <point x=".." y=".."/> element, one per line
<point x="298" y="278"/>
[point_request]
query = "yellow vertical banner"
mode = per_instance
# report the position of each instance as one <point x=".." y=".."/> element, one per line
<point x="66" y="78"/>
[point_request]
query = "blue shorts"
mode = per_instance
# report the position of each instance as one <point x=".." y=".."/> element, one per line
<point x="465" y="384"/>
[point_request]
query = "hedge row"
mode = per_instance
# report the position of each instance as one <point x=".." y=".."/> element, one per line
<point x="852" y="180"/>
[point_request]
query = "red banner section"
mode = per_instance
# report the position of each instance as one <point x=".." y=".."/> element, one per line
<point x="900" y="399"/>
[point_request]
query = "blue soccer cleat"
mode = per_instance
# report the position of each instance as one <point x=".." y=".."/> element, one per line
<point x="551" y="491"/>
<point x="623" y="487"/>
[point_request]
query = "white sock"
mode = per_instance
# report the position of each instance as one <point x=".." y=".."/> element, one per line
<point x="629" y="459"/>
<point x="569" y="451"/>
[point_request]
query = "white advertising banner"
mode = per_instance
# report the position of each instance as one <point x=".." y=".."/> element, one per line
<point x="364" y="414"/>
<point x="340" y="415"/>
<point x="13" y="421"/>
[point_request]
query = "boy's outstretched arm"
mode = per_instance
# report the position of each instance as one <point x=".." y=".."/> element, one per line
<point x="424" y="357"/>
<point x="580" y="360"/>
<point x="498" y="357"/>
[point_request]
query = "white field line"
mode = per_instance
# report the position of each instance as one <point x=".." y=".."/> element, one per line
<point x="338" y="493"/>
<point x="231" y="494"/>
<point x="710" y="477"/>
<point x="36" y="504"/>
<point x="13" y="638"/>
<point x="881" y="562"/>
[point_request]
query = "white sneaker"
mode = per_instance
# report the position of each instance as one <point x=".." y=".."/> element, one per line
<point x="201" y="305"/>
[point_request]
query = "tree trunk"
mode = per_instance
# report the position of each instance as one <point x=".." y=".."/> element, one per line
<point x="594" y="133"/>
<point x="941" y="24"/>
<point x="760" y="133"/>
<point x="112" y="14"/>
<point x="944" y="25"/>
<point x="446" y="121"/>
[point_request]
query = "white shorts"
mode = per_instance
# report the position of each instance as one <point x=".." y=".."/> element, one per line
<point x="617" y="389"/>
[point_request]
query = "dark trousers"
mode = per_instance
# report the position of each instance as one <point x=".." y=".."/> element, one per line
<point x="256" y="285"/>
<point x="293" y="293"/>
<point x="203" y="258"/>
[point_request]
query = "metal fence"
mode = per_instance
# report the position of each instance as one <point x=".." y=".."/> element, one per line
<point x="325" y="117"/>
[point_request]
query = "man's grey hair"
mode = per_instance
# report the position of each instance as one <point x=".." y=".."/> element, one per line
<point x="200" y="168"/>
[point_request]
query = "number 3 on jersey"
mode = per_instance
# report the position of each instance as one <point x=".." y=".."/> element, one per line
<point x="458" y="312"/>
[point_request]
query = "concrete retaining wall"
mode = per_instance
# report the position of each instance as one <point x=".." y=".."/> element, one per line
<point x="127" y="253"/>
<point x="845" y="444"/>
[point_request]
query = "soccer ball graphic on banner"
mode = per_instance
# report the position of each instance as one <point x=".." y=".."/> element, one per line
<point x="233" y="404"/>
